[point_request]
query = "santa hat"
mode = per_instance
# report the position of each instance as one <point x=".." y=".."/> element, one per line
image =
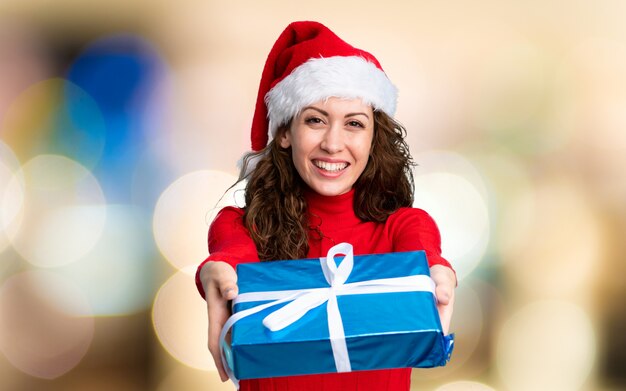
<point x="309" y="63"/>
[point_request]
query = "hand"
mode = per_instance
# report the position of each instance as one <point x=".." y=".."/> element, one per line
<point x="219" y="280"/>
<point x="445" y="282"/>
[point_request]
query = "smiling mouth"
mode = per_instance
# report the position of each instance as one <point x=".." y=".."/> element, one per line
<point x="330" y="167"/>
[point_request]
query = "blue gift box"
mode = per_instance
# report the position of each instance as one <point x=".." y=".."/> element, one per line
<point x="369" y="312"/>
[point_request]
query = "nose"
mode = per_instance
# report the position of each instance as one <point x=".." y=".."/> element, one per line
<point x="333" y="139"/>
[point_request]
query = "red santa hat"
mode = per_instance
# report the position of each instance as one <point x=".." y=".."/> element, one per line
<point x="309" y="63"/>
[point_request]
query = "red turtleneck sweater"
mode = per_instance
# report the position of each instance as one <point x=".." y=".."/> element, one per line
<point x="408" y="229"/>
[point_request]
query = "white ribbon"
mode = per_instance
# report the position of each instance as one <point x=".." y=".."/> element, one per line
<point x="304" y="300"/>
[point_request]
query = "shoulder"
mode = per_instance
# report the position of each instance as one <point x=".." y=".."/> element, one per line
<point x="227" y="218"/>
<point x="413" y="229"/>
<point x="411" y="215"/>
<point x="412" y="223"/>
<point x="229" y="212"/>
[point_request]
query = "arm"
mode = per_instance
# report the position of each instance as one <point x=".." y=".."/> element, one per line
<point x="216" y="279"/>
<point x="229" y="242"/>
<point x="413" y="229"/>
<point x="220" y="283"/>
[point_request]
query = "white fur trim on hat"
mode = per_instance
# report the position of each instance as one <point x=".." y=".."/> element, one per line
<point x="320" y="78"/>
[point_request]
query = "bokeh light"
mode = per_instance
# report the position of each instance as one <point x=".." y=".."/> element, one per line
<point x="79" y="127"/>
<point x="430" y="107"/>
<point x="591" y="98"/>
<point x="505" y="176"/>
<point x="458" y="206"/>
<point x="180" y="320"/>
<point x="39" y="331"/>
<point x="67" y="121"/>
<point x="24" y="61"/>
<point x="210" y="127"/>
<point x="187" y="378"/>
<point x="121" y="73"/>
<point x="117" y="275"/>
<point x="468" y="324"/>
<point x="552" y="221"/>
<point x="594" y="69"/>
<point x="64" y="211"/>
<point x="28" y="123"/>
<point x="465" y="386"/>
<point x="11" y="197"/>
<point x="547" y="345"/>
<point x="184" y="212"/>
<point x="511" y="90"/>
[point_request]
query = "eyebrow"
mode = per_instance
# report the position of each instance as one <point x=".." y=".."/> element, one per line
<point x="326" y="113"/>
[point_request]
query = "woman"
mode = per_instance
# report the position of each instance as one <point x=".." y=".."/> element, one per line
<point x="336" y="169"/>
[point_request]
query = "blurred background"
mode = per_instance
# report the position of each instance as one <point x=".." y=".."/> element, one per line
<point x="121" y="123"/>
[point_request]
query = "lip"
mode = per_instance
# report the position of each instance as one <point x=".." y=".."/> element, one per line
<point x="328" y="174"/>
<point x="329" y="160"/>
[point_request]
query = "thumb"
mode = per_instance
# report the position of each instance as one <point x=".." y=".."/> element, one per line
<point x="229" y="290"/>
<point x="442" y="292"/>
<point x="443" y="295"/>
<point x="226" y="281"/>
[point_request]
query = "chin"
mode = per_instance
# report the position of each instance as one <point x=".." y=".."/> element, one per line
<point x="330" y="191"/>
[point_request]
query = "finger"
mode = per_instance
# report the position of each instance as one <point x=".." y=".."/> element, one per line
<point x="218" y="313"/>
<point x="219" y="366"/>
<point x="216" y="323"/>
<point x="445" y="282"/>
<point x="445" y="313"/>
<point x="220" y="286"/>
<point x="445" y="316"/>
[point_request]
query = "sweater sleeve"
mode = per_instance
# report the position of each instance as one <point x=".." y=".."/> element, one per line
<point x="229" y="242"/>
<point x="412" y="229"/>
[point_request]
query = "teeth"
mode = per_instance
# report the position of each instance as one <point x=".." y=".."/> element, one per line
<point x="334" y="167"/>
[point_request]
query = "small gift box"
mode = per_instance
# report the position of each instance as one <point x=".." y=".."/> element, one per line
<point x="334" y="314"/>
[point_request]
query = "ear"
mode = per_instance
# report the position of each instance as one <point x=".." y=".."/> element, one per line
<point x="285" y="138"/>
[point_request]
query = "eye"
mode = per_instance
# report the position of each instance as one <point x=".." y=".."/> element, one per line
<point x="313" y="120"/>
<point x="355" y="123"/>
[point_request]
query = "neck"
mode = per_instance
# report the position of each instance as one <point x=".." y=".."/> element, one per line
<point x="330" y="212"/>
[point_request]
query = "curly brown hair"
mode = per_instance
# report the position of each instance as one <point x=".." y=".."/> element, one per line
<point x="275" y="213"/>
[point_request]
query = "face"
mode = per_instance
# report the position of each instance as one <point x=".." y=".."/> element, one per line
<point x="331" y="142"/>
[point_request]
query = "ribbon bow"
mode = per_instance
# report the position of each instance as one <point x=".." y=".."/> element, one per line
<point x="302" y="301"/>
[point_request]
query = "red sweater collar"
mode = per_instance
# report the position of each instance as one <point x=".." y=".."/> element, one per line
<point x="335" y="212"/>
